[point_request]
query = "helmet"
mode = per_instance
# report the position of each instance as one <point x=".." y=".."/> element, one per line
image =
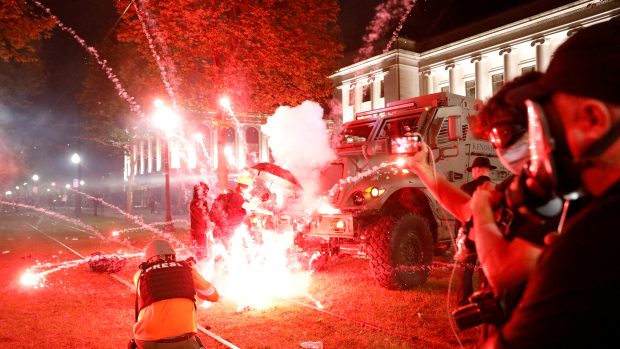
<point x="245" y="179"/>
<point x="158" y="248"/>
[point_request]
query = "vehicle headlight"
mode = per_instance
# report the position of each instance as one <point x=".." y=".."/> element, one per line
<point x="374" y="192"/>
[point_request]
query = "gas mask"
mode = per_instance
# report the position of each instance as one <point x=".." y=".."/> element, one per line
<point x="550" y="175"/>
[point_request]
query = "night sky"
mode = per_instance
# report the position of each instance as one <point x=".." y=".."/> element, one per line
<point x="50" y="128"/>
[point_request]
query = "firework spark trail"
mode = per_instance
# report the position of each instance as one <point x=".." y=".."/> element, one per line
<point x="158" y="60"/>
<point x="205" y="152"/>
<point x="357" y="177"/>
<point x="136" y="219"/>
<point x="88" y="229"/>
<point x="127" y="230"/>
<point x="380" y="24"/>
<point x="77" y="262"/>
<point x="408" y="7"/>
<point x="102" y="62"/>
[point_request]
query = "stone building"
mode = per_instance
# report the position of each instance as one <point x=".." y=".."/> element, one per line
<point x="476" y="66"/>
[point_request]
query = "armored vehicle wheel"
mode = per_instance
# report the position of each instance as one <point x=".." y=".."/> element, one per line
<point x="400" y="251"/>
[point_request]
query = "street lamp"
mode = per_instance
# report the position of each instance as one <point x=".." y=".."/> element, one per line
<point x="222" y="162"/>
<point x="35" y="177"/>
<point x="166" y="119"/>
<point x="75" y="158"/>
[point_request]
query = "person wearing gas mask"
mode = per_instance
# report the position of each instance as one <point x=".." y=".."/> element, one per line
<point x="512" y="153"/>
<point x="165" y="300"/>
<point x="571" y="297"/>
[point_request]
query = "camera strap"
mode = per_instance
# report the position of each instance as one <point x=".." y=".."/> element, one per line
<point x="600" y="145"/>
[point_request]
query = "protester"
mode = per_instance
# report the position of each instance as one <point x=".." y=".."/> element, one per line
<point x="228" y="210"/>
<point x="199" y="208"/>
<point x="571" y="298"/>
<point x="165" y="300"/>
<point x="480" y="170"/>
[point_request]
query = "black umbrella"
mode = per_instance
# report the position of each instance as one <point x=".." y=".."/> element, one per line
<point x="273" y="173"/>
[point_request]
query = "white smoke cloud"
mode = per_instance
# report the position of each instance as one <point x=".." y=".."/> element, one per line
<point x="299" y="142"/>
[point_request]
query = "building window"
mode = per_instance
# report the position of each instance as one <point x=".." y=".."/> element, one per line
<point x="470" y="88"/>
<point x="528" y="69"/>
<point x="351" y="96"/>
<point x="367" y="93"/>
<point x="382" y="95"/>
<point x="253" y="146"/>
<point x="497" y="81"/>
<point x="445" y="89"/>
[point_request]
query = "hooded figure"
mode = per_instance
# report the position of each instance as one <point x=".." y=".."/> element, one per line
<point x="198" y="210"/>
<point x="165" y="299"/>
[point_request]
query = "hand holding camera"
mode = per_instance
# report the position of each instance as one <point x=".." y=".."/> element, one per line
<point x="419" y="159"/>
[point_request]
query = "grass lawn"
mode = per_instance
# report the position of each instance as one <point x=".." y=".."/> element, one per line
<point x="78" y="308"/>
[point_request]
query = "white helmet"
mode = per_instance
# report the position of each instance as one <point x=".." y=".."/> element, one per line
<point x="158" y="248"/>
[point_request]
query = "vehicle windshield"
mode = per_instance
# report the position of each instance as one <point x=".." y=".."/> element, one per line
<point x="357" y="133"/>
<point x="403" y="127"/>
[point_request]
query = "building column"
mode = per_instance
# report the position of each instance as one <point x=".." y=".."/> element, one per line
<point x="241" y="147"/>
<point x="375" y="92"/>
<point x="542" y="54"/>
<point x="345" y="95"/>
<point x="357" y="101"/>
<point x="481" y="77"/>
<point x="428" y="82"/>
<point x="509" y="64"/>
<point x="141" y="155"/>
<point x="158" y="155"/>
<point x="455" y="79"/>
<point x="149" y="158"/>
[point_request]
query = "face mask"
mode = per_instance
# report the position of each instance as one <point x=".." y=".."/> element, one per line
<point x="516" y="155"/>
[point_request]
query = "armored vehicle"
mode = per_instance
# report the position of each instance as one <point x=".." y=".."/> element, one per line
<point x="380" y="209"/>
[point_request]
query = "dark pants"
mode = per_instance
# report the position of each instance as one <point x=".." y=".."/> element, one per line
<point x="466" y="284"/>
<point x="192" y="342"/>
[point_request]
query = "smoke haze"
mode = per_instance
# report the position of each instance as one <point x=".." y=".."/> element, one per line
<point x="299" y="142"/>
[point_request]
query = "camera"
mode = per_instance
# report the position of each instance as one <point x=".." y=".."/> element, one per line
<point x="484" y="307"/>
<point x="407" y="144"/>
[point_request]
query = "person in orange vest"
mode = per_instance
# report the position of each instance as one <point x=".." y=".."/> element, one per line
<point x="166" y="291"/>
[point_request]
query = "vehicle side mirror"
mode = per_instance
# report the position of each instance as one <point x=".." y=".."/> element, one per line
<point x="455" y="131"/>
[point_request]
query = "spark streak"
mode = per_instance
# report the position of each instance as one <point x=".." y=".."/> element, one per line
<point x="102" y="62"/>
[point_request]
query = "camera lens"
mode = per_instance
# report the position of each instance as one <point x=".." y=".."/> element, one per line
<point x="467" y="316"/>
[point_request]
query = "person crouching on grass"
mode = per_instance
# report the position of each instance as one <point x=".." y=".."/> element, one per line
<point x="165" y="300"/>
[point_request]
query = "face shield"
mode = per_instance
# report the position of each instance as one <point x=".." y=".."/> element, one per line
<point x="550" y="162"/>
<point x="515" y="156"/>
